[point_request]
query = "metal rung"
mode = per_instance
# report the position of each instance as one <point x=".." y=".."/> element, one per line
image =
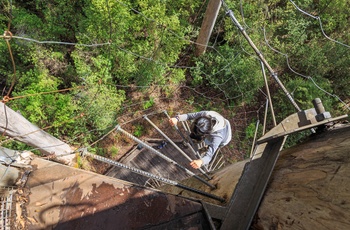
<point x="172" y="143"/>
<point x="118" y="128"/>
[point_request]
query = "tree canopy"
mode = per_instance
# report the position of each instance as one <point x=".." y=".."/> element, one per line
<point x="72" y="65"/>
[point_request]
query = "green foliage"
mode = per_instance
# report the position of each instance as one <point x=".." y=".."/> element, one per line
<point x="149" y="39"/>
<point x="99" y="100"/>
<point x="60" y="18"/>
<point x="42" y="107"/>
<point x="114" y="151"/>
<point x="131" y="33"/>
<point x="302" y="38"/>
<point x="235" y="78"/>
<point x="297" y="138"/>
<point x="144" y="47"/>
<point x="101" y="151"/>
<point x="305" y="91"/>
<point x="27" y="24"/>
<point x="79" y="160"/>
<point x="149" y="103"/>
<point x="13" y="144"/>
<point x="139" y="130"/>
<point x="250" y="130"/>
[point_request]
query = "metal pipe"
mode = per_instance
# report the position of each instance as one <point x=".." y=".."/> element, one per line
<point x="268" y="93"/>
<point x="118" y="128"/>
<point x="167" y="138"/>
<point x="221" y="165"/>
<point x="261" y="57"/>
<point x="188" y="132"/>
<point x="213" y="160"/>
<point x="217" y="163"/>
<point x="265" y="116"/>
<point x="186" y="128"/>
<point x="253" y="144"/>
<point x="150" y="175"/>
<point x="195" y="147"/>
<point x="171" y="142"/>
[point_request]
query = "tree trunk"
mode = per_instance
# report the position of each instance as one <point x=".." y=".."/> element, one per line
<point x="208" y="23"/>
<point x="309" y="188"/>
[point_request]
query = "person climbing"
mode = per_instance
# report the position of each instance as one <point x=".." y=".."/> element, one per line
<point x="210" y="126"/>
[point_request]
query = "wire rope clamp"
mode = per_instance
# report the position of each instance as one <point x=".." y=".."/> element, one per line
<point x="82" y="151"/>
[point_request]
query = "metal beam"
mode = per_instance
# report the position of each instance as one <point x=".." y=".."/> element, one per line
<point x="285" y="130"/>
<point x="251" y="187"/>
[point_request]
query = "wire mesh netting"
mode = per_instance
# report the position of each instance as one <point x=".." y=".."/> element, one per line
<point x="7" y="195"/>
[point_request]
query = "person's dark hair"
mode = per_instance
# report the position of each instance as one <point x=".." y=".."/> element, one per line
<point x="202" y="126"/>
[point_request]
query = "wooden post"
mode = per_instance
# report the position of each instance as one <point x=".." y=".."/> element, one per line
<point x="208" y="23"/>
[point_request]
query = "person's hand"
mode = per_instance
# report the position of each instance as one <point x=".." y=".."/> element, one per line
<point x="173" y="121"/>
<point x="196" y="164"/>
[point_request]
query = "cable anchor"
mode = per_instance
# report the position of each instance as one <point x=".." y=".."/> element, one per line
<point x="8" y="35"/>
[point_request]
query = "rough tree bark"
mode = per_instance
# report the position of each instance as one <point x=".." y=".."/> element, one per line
<point x="310" y="186"/>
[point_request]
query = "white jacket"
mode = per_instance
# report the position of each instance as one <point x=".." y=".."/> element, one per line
<point x="221" y="134"/>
